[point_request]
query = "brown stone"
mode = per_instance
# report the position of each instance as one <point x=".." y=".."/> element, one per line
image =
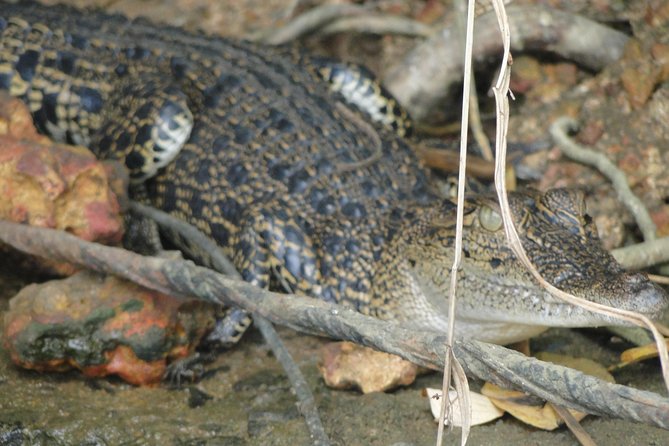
<point x="345" y="365"/>
<point x="660" y="53"/>
<point x="640" y="75"/>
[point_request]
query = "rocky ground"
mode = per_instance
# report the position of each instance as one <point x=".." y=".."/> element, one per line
<point x="246" y="399"/>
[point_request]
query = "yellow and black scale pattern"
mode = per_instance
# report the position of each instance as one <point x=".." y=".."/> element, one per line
<point x="249" y="145"/>
<point x="359" y="87"/>
<point x="263" y="170"/>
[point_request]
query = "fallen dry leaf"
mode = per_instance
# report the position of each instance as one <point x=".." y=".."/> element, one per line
<point x="637" y="354"/>
<point x="483" y="410"/>
<point x="542" y="415"/>
<point x="516" y="403"/>
<point x="584" y="365"/>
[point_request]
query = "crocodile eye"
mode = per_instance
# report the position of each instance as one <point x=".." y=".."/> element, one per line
<point x="590" y="226"/>
<point x="490" y="219"/>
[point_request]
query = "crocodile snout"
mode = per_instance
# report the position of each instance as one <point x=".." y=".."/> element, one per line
<point x="644" y="296"/>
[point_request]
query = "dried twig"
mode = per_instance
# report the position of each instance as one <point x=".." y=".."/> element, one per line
<point x="307" y="22"/>
<point x="663" y="280"/>
<point x="380" y="24"/>
<point x="574" y="426"/>
<point x="477" y="126"/>
<point x="370" y="131"/>
<point x="448" y="161"/>
<point x="504" y="367"/>
<point x="582" y="154"/>
<point x="219" y="262"/>
<point x="463" y="397"/>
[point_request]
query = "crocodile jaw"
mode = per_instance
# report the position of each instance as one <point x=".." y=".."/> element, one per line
<point x="506" y="311"/>
<point x="427" y="309"/>
<point x="501" y="333"/>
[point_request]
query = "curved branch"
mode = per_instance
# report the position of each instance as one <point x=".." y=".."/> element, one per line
<point x="559" y="385"/>
<point x="380" y="24"/>
<point x="598" y="160"/>
<point x="307" y="22"/>
<point x="644" y="254"/>
<point x="219" y="262"/>
<point x="423" y="82"/>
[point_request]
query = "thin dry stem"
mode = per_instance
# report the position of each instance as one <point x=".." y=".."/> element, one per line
<point x="574" y="426"/>
<point x="477" y="126"/>
<point x="663" y="280"/>
<point x="457" y="260"/>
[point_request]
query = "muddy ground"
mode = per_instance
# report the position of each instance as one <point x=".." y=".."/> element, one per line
<point x="247" y="399"/>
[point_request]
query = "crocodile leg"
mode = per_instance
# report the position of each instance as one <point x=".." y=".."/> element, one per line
<point x="152" y="122"/>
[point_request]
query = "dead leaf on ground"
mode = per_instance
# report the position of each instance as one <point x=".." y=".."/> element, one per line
<point x="483" y="410"/>
<point x="540" y="414"/>
<point x="637" y="354"/>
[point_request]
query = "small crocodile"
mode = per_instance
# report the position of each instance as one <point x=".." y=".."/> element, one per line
<point x="247" y="143"/>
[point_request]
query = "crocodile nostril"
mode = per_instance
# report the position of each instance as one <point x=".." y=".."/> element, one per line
<point x="636" y="278"/>
<point x="651" y="300"/>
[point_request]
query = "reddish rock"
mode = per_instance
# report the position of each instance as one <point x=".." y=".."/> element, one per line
<point x="15" y="120"/>
<point x="661" y="220"/>
<point x="54" y="185"/>
<point x="345" y="365"/>
<point x="102" y="326"/>
<point x="630" y="163"/>
<point x="526" y="74"/>
<point x="657" y="13"/>
<point x="431" y="12"/>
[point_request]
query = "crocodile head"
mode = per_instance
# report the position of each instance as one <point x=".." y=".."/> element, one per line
<point x="497" y="299"/>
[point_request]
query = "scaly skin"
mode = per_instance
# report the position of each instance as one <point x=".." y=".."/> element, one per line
<point x="295" y="187"/>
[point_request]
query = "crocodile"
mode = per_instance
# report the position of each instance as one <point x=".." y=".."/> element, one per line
<point x="247" y="143"/>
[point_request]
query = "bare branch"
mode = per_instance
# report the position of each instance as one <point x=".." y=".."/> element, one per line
<point x="381" y="24"/>
<point x="589" y="157"/>
<point x="643" y="255"/>
<point x="424" y="81"/>
<point x="504" y="367"/>
<point x="308" y="22"/>
<point x="219" y="262"/>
